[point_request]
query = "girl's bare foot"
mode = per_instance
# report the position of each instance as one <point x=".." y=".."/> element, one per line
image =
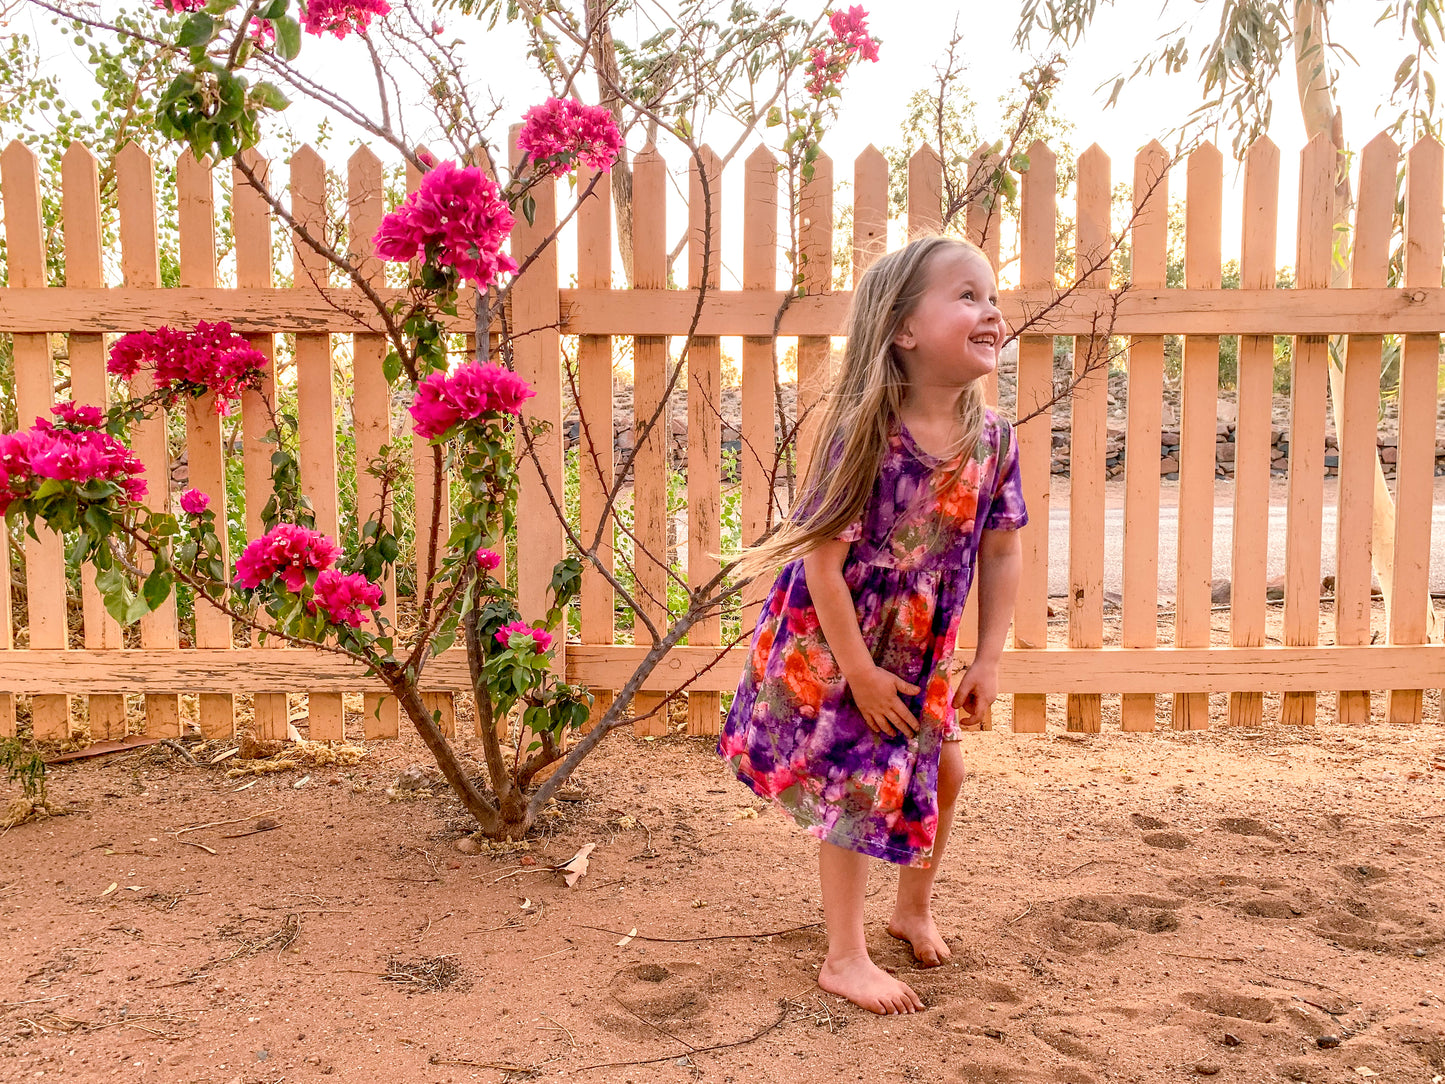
<point x="929" y="948"/>
<point x="867" y="985"/>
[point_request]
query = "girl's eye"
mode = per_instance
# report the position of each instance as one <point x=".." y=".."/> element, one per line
<point x="968" y="295"/>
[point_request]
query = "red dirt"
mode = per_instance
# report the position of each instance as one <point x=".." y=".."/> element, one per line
<point x="1121" y="908"/>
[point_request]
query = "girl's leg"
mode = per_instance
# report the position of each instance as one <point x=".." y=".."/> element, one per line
<point x="913" y="914"/>
<point x="848" y="972"/>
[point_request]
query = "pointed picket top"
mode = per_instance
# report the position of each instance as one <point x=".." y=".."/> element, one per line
<point x="1423" y="223"/>
<point x="1382" y="144"/>
<point x="1262" y="146"/>
<point x="1262" y="155"/>
<point x="698" y="206"/>
<point x="923" y="156"/>
<point x="24" y="233"/>
<point x="869" y="158"/>
<point x="80" y="216"/>
<point x="78" y="156"/>
<point x="761" y="158"/>
<point x="363" y="160"/>
<point x="1093" y="158"/>
<point x="414" y="174"/>
<point x="306" y="157"/>
<point x="365" y="191"/>
<point x="1151" y="169"/>
<point x="196" y="215"/>
<point x="1040" y="154"/>
<point x="132" y="159"/>
<point x="1374" y="212"/>
<point x="648" y="153"/>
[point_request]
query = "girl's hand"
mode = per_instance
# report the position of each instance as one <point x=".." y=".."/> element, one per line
<point x="977" y="690"/>
<point x="875" y="691"/>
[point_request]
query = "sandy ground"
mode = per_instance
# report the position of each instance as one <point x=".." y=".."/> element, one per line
<point x="1231" y="905"/>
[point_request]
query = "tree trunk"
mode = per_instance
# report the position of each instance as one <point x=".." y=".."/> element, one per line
<point x="1322" y="116"/>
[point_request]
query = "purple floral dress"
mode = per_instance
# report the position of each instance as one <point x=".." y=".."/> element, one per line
<point x="794" y="734"/>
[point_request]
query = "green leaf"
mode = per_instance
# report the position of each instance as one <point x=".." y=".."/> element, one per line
<point x="197" y="30"/>
<point x="529" y="210"/>
<point x="391" y="366"/>
<point x="270" y="96"/>
<point x="288" y="37"/>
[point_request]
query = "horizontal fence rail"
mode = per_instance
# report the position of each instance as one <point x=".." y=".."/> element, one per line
<point x="338" y="347"/>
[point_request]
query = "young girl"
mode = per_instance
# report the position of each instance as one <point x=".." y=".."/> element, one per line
<point x="844" y="715"/>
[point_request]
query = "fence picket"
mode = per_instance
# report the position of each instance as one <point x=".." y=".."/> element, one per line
<point x="1140" y="626"/>
<point x="315" y="394"/>
<point x="1198" y="419"/>
<point x="704" y="427"/>
<point x="982" y="227"/>
<point x="815" y="242"/>
<point x="205" y="451"/>
<point x="925" y="193"/>
<point x="870" y="209"/>
<point x="80" y="207"/>
<point x="1308" y="382"/>
<point x="251" y="220"/>
<point x="595" y="462"/>
<point x="649" y="383"/>
<point x="140" y="264"/>
<point x="1370" y="261"/>
<point x="34" y="396"/>
<point x="1038" y="219"/>
<point x="1419" y="384"/>
<point x="371" y="404"/>
<point x="1253" y="425"/>
<point x="758" y="438"/>
<point x="1089" y="416"/>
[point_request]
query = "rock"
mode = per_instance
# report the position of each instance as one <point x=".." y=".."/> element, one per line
<point x="1169" y="464"/>
<point x="1219" y="592"/>
<point x="1205" y="1068"/>
<point x="1231" y="1039"/>
<point x="468" y="845"/>
<point x="1274" y="589"/>
<point x="1327" y="1042"/>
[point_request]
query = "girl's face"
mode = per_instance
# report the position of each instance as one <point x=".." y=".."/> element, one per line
<point x="952" y="337"/>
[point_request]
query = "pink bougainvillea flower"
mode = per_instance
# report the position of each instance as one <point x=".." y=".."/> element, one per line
<point x="561" y="132"/>
<point x="210" y="358"/>
<point x="341" y="17"/>
<point x="488" y="560"/>
<point x="457" y="220"/>
<point x="851" y="41"/>
<point x="851" y="29"/>
<point x="507" y="636"/>
<point x="472" y="392"/>
<point x="263" y="31"/>
<point x="287" y="550"/>
<point x="177" y="6"/>
<point x="194" y="502"/>
<point x="76" y="450"/>
<point x="342" y="598"/>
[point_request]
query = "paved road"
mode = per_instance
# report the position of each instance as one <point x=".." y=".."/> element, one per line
<point x="1223" y="534"/>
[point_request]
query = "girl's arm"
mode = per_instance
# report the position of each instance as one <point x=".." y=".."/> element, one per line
<point x="1000" y="559"/>
<point x="874" y="689"/>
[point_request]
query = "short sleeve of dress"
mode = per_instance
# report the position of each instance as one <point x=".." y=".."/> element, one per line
<point x="1006" y="506"/>
<point x="851" y="533"/>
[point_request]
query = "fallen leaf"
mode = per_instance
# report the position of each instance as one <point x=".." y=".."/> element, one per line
<point x="1365" y="1070"/>
<point x="227" y="755"/>
<point x="112" y="888"/>
<point x="527" y="904"/>
<point x="301" y="782"/>
<point x="630" y="935"/>
<point x="135" y="888"/>
<point x="576" y="866"/>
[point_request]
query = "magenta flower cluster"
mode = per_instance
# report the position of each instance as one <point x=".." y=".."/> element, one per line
<point x="508" y="634"/>
<point x="851" y="41"/>
<point x="487" y="560"/>
<point x="177" y="6"/>
<point x="341" y="598"/>
<point x="341" y="17"/>
<point x="76" y="450"/>
<point x="561" y="132"/>
<point x="210" y="358"/>
<point x="456" y="219"/>
<point x="473" y="391"/>
<point x="287" y="550"/>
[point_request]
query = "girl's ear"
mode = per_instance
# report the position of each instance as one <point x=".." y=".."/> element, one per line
<point x="903" y="337"/>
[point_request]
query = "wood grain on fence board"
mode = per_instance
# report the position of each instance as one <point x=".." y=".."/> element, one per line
<point x="815" y="243"/>
<point x="371" y="404"/>
<point x="925" y="193"/>
<point x="1253" y="434"/>
<point x="315" y="394"/>
<point x="1369" y="266"/>
<point x="1087" y="427"/>
<point x="1198" y="418"/>
<point x="1038" y="217"/>
<point x="1309" y="379"/>
<point x="34" y="396"/>
<point x="758" y="437"/>
<point x="649" y="383"/>
<point x="251" y="221"/>
<point x="140" y="265"/>
<point x="1149" y="241"/>
<point x="1056" y="670"/>
<point x="738" y="312"/>
<point x="981" y="223"/>
<point x="870" y="209"/>
<point x="595" y="462"/>
<point x="81" y="234"/>
<point x="1419" y="389"/>
<point x="704" y="427"/>
<point x="205" y="454"/>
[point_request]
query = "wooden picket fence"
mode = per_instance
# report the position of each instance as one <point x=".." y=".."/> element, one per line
<point x="1138" y="666"/>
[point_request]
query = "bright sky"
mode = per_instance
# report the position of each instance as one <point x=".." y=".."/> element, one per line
<point x="913" y="35"/>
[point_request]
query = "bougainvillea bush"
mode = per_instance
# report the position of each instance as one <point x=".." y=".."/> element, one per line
<point x="74" y="472"/>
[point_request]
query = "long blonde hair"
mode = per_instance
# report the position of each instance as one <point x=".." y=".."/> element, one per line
<point x="858" y="413"/>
